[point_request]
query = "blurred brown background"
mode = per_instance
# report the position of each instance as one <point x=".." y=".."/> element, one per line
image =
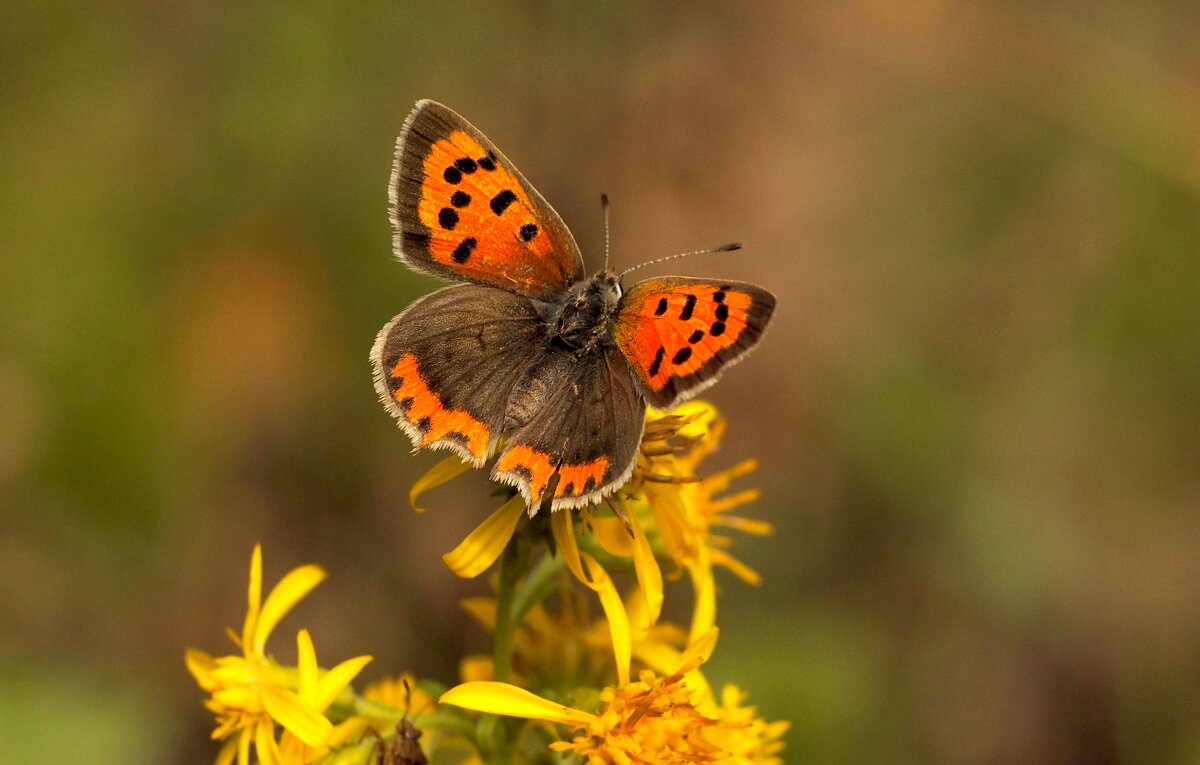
<point x="977" y="412"/>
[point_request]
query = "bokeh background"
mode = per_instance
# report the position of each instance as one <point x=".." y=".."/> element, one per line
<point x="977" y="411"/>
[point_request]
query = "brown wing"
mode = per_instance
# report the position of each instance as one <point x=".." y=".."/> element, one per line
<point x="461" y="210"/>
<point x="579" y="418"/>
<point x="679" y="333"/>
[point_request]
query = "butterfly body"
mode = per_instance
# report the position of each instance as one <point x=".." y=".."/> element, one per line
<point x="585" y="318"/>
<point x="530" y="361"/>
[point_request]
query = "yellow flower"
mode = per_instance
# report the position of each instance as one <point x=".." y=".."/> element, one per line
<point x="667" y="508"/>
<point x="252" y="692"/>
<point x="649" y="720"/>
<point x="565" y="648"/>
<point x="746" y="737"/>
<point x="686" y="511"/>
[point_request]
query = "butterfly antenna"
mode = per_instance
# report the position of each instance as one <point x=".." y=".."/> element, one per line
<point x="604" y="207"/>
<point x="723" y="248"/>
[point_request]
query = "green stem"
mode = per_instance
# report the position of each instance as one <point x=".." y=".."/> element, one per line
<point x="536" y="586"/>
<point x="494" y="732"/>
<point x="512" y="562"/>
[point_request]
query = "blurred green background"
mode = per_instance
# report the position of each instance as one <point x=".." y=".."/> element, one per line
<point x="977" y="411"/>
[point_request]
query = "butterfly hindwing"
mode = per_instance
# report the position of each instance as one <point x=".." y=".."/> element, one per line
<point x="461" y="210"/>
<point x="679" y="333"/>
<point x="445" y="367"/>
<point x="577" y="417"/>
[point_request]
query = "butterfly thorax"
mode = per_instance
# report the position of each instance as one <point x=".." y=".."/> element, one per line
<point x="582" y="320"/>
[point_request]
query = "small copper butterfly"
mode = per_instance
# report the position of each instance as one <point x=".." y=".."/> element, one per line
<point x="530" y="360"/>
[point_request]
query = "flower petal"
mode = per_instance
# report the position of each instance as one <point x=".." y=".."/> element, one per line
<point x="718" y="482"/>
<point x="568" y="545"/>
<point x="288" y="710"/>
<point x="264" y="743"/>
<point x="293" y="751"/>
<point x="618" y="620"/>
<point x="660" y="657"/>
<point x="306" y="667"/>
<point x="702" y="648"/>
<point x="741" y="570"/>
<point x="704" y="590"/>
<point x="443" y="472"/>
<point x="482" y="610"/>
<point x="333" y="682"/>
<point x="291" y="590"/>
<point x="505" y="699"/>
<point x="670" y="516"/>
<point x="228" y="751"/>
<point x="201" y="666"/>
<point x="649" y="575"/>
<point x="745" y="525"/>
<point x="244" y="740"/>
<point x="475" y="668"/>
<point x="483" y="546"/>
<point x="253" y="598"/>
<point x="613" y="537"/>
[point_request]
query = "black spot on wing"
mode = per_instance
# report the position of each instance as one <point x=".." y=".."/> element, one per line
<point x="681" y="355"/>
<point x="722" y="312"/>
<point x="501" y="201"/>
<point x="528" y="231"/>
<point x="717" y="329"/>
<point x="688" y="307"/>
<point x="661" y="308"/>
<point x="459" y="438"/>
<point x="657" y="363"/>
<point x="452" y="175"/>
<point x="464" y="249"/>
<point x="460" y="199"/>
<point x="447" y="218"/>
<point x="465" y="164"/>
<point x="696" y="337"/>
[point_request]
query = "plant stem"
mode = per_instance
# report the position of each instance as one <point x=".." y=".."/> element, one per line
<point x="512" y="565"/>
<point x="512" y="562"/>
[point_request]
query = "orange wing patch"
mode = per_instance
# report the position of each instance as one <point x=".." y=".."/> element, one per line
<point x="679" y="332"/>
<point x="481" y="219"/>
<point x="577" y="480"/>
<point x="532" y="471"/>
<point x="691" y="326"/>
<point x="531" y="467"/>
<point x="424" y="413"/>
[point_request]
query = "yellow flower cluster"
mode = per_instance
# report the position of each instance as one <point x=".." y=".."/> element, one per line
<point x="624" y="688"/>
<point x="252" y="692"/>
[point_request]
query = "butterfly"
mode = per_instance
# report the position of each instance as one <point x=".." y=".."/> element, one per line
<point x="529" y="360"/>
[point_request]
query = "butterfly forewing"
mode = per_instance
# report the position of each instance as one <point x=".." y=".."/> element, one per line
<point x="462" y="210"/>
<point x="678" y="333"/>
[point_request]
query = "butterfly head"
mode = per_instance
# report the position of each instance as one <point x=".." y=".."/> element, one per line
<point x="583" y="318"/>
